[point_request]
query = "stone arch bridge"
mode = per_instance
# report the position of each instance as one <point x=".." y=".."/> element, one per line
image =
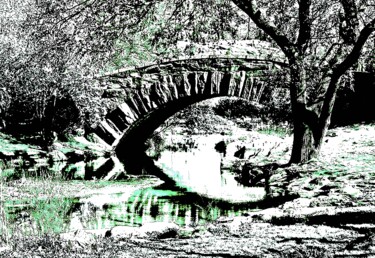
<point x="153" y="93"/>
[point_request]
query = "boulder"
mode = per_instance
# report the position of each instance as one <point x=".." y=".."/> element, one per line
<point x="158" y="230"/>
<point x="121" y="232"/>
<point x="75" y="156"/>
<point x="240" y="153"/>
<point x="57" y="155"/>
<point x="251" y="175"/>
<point x="79" y="238"/>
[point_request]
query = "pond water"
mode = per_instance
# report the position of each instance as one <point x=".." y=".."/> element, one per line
<point x="203" y="192"/>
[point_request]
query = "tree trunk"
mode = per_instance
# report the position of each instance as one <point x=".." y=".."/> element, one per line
<point x="307" y="132"/>
<point x="305" y="144"/>
<point x="309" y="128"/>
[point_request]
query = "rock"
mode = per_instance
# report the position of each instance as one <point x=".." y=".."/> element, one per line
<point x="75" y="156"/>
<point x="297" y="203"/>
<point x="202" y="233"/>
<point x="235" y="226"/>
<point x="240" y="153"/>
<point x="158" y="230"/>
<point x="74" y="171"/>
<point x="56" y="155"/>
<point x="114" y="93"/>
<point x="267" y="215"/>
<point x="80" y="238"/>
<point x="221" y="147"/>
<point x="6" y="154"/>
<point x="331" y="134"/>
<point x="121" y="232"/>
<point x="218" y="229"/>
<point x="350" y="190"/>
<point x="251" y="176"/>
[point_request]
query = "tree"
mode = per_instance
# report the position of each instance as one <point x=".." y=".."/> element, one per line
<point x="321" y="40"/>
<point x="37" y="68"/>
<point x="60" y="46"/>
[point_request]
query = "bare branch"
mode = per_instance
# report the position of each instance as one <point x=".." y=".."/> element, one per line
<point x="353" y="56"/>
<point x="340" y="69"/>
<point x="249" y="7"/>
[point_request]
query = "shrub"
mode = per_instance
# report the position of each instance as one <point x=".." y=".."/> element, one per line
<point x="274" y="111"/>
<point x="236" y="108"/>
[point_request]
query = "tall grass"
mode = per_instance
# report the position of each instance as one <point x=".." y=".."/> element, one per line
<point x="275" y="130"/>
<point x="4" y="236"/>
<point x="40" y="210"/>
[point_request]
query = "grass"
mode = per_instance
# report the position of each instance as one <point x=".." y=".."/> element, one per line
<point x="275" y="130"/>
<point x="37" y="216"/>
<point x="27" y="195"/>
<point x="42" y="203"/>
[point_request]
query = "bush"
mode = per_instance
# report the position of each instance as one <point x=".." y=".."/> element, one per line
<point x="272" y="111"/>
<point x="236" y="108"/>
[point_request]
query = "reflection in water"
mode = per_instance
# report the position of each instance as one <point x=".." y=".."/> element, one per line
<point x="202" y="193"/>
<point x="147" y="205"/>
<point x="199" y="171"/>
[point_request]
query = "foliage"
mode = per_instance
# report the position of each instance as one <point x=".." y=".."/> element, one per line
<point x="56" y="46"/>
<point x="274" y="110"/>
<point x="199" y="118"/>
<point x="236" y="108"/>
<point x="37" y="69"/>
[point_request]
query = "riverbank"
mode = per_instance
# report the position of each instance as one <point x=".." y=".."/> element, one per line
<point x="331" y="216"/>
<point x="235" y="237"/>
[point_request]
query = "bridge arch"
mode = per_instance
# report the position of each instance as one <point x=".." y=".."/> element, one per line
<point x="153" y="93"/>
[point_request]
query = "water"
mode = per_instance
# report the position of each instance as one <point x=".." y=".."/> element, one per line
<point x="148" y="205"/>
<point x="199" y="171"/>
<point x="203" y="193"/>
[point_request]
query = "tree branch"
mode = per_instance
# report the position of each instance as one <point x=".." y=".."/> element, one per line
<point x="354" y="55"/>
<point x="340" y="69"/>
<point x="304" y="35"/>
<point x="249" y="7"/>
